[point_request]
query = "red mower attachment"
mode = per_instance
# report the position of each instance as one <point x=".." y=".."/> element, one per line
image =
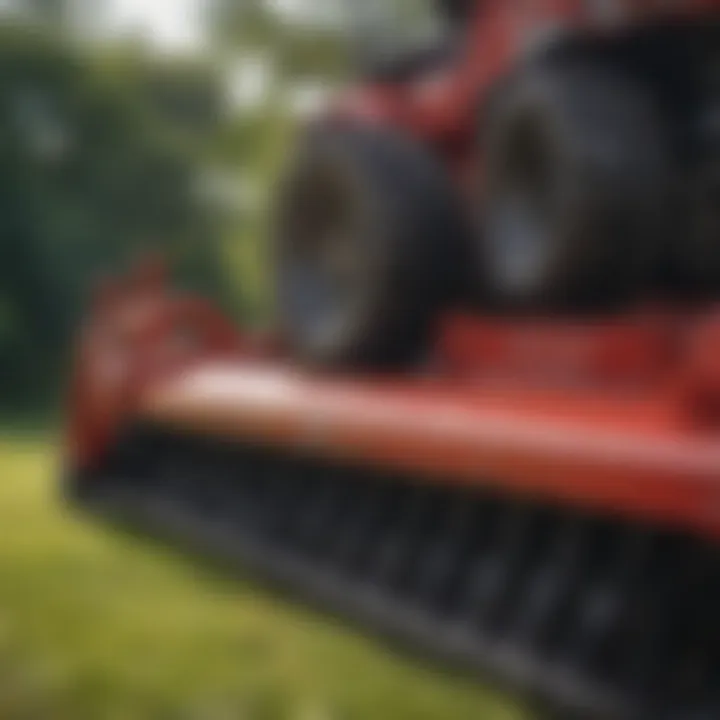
<point x="530" y="483"/>
<point x="542" y="498"/>
<point x="139" y="331"/>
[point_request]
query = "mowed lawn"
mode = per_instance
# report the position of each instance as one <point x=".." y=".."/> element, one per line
<point x="95" y="624"/>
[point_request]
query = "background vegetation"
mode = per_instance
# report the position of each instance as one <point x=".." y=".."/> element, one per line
<point x="108" y="149"/>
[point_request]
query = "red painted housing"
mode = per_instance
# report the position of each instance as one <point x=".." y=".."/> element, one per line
<point x="621" y="415"/>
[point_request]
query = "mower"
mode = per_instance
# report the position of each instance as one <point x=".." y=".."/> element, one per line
<point x="488" y="418"/>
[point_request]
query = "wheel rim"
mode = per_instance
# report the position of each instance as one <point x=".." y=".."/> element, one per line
<point x="519" y="243"/>
<point x="322" y="264"/>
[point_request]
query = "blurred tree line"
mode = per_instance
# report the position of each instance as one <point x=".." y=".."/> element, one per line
<point x="107" y="151"/>
<point x="97" y="158"/>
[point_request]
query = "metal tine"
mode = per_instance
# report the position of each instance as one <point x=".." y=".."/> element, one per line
<point x="653" y="597"/>
<point x="264" y="482"/>
<point x="393" y="563"/>
<point x="447" y="559"/>
<point x="605" y="608"/>
<point x="525" y="559"/>
<point x="213" y="464"/>
<point x="546" y="599"/>
<point x="173" y="476"/>
<point x="382" y="521"/>
<point x="134" y="460"/>
<point x="287" y="494"/>
<point x="360" y="526"/>
<point x="676" y="648"/>
<point x="314" y="531"/>
<point x="431" y="525"/>
<point x="493" y="575"/>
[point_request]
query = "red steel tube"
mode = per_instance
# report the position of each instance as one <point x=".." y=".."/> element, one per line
<point x="622" y="454"/>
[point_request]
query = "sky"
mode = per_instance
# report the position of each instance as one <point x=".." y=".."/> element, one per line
<point x="173" y="25"/>
<point x="177" y="25"/>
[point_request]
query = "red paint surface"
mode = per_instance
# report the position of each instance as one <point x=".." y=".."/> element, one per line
<point x="629" y="425"/>
<point x="138" y="333"/>
<point x="622" y="415"/>
<point x="617" y="452"/>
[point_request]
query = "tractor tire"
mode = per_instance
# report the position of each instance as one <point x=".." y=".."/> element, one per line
<point x="576" y="186"/>
<point x="364" y="253"/>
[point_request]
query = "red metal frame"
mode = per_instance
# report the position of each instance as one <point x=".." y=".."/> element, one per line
<point x="632" y="455"/>
<point x="622" y="414"/>
<point x="630" y="351"/>
<point x="138" y="331"/>
<point x="631" y="425"/>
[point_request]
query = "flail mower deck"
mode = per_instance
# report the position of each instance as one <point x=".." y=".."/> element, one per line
<point x="558" y="529"/>
<point x="536" y="497"/>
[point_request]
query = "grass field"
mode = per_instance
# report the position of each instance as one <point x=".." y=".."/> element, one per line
<point x="97" y="625"/>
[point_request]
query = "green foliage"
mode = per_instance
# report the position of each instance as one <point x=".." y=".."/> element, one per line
<point x="99" y="158"/>
<point x="310" y="42"/>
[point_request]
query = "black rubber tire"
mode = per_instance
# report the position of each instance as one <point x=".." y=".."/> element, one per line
<point x="575" y="188"/>
<point x="399" y="242"/>
<point x="697" y="255"/>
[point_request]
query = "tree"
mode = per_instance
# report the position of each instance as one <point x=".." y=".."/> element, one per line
<point x="99" y="158"/>
<point x="307" y="42"/>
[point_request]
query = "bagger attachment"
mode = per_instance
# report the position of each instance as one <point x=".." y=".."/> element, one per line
<point x="541" y="500"/>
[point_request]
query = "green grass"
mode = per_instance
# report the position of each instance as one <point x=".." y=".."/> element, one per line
<point x="95" y="624"/>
